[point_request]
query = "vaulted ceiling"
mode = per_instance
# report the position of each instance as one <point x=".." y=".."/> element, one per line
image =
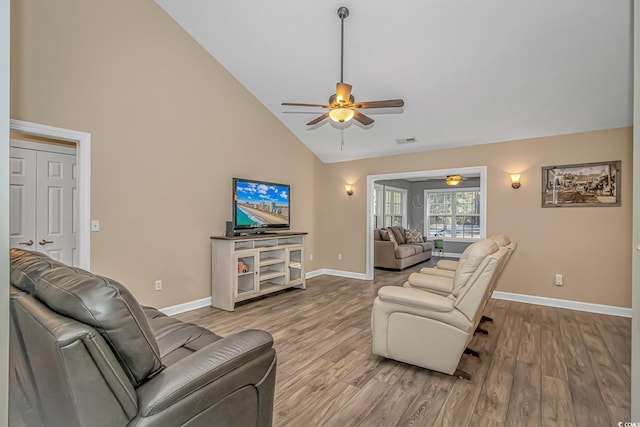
<point x="469" y="71"/>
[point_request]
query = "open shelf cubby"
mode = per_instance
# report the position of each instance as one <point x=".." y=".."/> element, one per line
<point x="245" y="267"/>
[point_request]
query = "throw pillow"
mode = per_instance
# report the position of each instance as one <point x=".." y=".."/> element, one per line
<point x="388" y="236"/>
<point x="413" y="236"/>
<point x="398" y="233"/>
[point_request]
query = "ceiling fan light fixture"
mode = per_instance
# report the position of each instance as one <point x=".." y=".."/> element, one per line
<point x="341" y="115"/>
<point x="453" y="180"/>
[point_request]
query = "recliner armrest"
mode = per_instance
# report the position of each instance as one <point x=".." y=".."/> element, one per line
<point x="447" y="264"/>
<point x="201" y="368"/>
<point x="416" y="298"/>
<point x="439" y="284"/>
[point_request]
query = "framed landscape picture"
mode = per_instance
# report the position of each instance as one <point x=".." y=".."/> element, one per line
<point x="587" y="184"/>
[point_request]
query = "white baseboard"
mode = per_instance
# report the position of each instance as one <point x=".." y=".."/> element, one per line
<point x="563" y="303"/>
<point x="436" y="255"/>
<point x="508" y="296"/>
<point x="339" y="273"/>
<point x="187" y="306"/>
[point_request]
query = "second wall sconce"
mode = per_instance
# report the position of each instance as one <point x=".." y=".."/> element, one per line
<point x="515" y="180"/>
<point x="349" y="189"/>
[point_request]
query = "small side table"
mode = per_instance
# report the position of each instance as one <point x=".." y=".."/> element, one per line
<point x="438" y="246"/>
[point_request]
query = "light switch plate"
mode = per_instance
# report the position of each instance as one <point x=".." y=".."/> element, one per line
<point x="95" y="225"/>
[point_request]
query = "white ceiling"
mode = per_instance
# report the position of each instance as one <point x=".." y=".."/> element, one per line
<point x="469" y="71"/>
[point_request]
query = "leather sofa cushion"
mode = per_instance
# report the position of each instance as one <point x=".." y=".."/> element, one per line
<point x="177" y="339"/>
<point x="109" y="308"/>
<point x="27" y="267"/>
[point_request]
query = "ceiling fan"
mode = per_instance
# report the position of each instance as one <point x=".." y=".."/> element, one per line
<point x="453" y="180"/>
<point x="342" y="106"/>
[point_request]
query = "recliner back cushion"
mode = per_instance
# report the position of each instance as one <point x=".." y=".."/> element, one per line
<point x="108" y="307"/>
<point x="501" y="239"/>
<point x="470" y="260"/>
<point x="27" y="267"/>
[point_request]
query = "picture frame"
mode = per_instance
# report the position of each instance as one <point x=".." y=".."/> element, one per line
<point x="581" y="185"/>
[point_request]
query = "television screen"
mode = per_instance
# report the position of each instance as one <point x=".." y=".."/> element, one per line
<point x="259" y="204"/>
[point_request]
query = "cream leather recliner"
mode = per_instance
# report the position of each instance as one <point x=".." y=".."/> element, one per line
<point x="429" y="330"/>
<point x="440" y="279"/>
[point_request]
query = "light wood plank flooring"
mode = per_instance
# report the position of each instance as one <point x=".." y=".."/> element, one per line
<point x="538" y="365"/>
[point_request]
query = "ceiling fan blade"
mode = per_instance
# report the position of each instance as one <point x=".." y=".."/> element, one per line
<point x="390" y="103"/>
<point x="318" y="119"/>
<point x="293" y="104"/>
<point x="343" y="92"/>
<point x="365" y="120"/>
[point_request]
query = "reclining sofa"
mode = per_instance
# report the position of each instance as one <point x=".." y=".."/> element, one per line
<point x="83" y="352"/>
<point x="432" y="330"/>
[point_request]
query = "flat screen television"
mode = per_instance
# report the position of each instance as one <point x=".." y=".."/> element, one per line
<point x="259" y="206"/>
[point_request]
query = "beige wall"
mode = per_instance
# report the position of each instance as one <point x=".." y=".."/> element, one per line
<point x="170" y="128"/>
<point x="590" y="246"/>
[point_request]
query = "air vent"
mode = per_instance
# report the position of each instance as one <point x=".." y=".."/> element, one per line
<point x="401" y="141"/>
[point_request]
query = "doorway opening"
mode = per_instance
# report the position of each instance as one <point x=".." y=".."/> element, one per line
<point x="415" y="216"/>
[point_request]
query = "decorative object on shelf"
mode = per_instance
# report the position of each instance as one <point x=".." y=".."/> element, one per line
<point x="581" y="185"/>
<point x="342" y="106"/>
<point x="349" y="189"/>
<point x="243" y="267"/>
<point x="515" y="181"/>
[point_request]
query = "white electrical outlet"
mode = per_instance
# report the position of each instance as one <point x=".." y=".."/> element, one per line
<point x="158" y="285"/>
<point x="559" y="280"/>
<point x="310" y="257"/>
<point x="339" y="257"/>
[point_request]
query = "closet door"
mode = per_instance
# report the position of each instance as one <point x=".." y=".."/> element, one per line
<point x="55" y="205"/>
<point x="43" y="203"/>
<point x="22" y="198"/>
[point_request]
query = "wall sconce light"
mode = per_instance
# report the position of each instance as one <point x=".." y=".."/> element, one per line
<point x="515" y="180"/>
<point x="349" y="189"/>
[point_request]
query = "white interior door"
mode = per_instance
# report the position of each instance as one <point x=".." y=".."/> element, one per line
<point x="45" y="203"/>
<point x="22" y="198"/>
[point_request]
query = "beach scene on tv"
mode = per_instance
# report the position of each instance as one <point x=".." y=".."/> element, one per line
<point x="261" y="204"/>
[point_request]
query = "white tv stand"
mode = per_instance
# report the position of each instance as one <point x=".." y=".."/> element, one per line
<point x="271" y="262"/>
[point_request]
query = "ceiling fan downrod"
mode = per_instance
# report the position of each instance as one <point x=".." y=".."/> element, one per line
<point x="343" y="12"/>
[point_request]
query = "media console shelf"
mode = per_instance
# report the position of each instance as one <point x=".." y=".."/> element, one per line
<point x="244" y="267"/>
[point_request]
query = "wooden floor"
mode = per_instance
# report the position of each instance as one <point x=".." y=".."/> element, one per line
<point x="538" y="365"/>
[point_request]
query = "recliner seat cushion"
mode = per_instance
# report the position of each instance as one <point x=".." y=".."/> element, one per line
<point x="176" y="339"/>
<point x="108" y="307"/>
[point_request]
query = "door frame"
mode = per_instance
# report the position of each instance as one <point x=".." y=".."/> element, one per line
<point x="481" y="170"/>
<point x="83" y="159"/>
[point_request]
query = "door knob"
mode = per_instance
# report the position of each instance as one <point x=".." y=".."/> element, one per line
<point x="44" y="242"/>
<point x="27" y="243"/>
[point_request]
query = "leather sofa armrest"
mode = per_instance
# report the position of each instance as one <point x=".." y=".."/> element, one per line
<point x="415" y="298"/>
<point x="439" y="284"/>
<point x="201" y="368"/>
<point x="446" y="264"/>
<point x="438" y="272"/>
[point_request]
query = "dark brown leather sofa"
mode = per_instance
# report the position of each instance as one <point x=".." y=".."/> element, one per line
<point x="83" y="352"/>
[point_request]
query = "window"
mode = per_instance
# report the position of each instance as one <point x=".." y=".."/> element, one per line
<point x="395" y="207"/>
<point x="453" y="214"/>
